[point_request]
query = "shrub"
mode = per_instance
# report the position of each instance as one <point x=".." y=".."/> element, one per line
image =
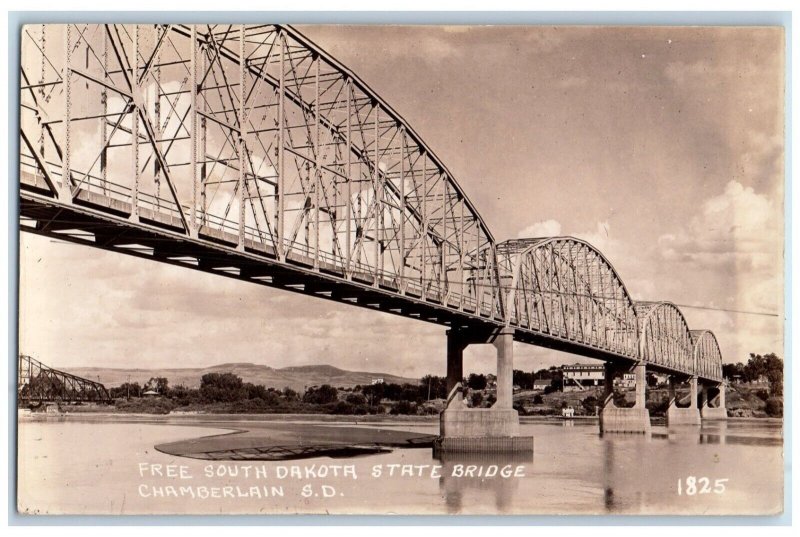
<point x="762" y="394"/>
<point x="290" y="395"/>
<point x="537" y="400"/>
<point x="154" y="405"/>
<point x="589" y="404"/>
<point x="774" y="408"/>
<point x="360" y="410"/>
<point x="658" y="407"/>
<point x="403" y="407"/>
<point x="323" y="395"/>
<point x="343" y="407"/>
<point x="476" y="399"/>
<point x="216" y="387"/>
<point x="476" y="381"/>
<point x="356" y="399"/>
<point x="621" y="401"/>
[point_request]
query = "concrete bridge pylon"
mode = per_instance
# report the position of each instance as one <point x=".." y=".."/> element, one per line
<point x="678" y="416"/>
<point x="481" y="430"/>
<point x="713" y="407"/>
<point x="636" y="419"/>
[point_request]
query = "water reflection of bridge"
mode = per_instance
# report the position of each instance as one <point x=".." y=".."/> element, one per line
<point x="493" y="478"/>
<point x="249" y="152"/>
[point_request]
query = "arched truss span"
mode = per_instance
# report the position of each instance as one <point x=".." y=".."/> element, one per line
<point x="254" y="136"/>
<point x="664" y="336"/>
<point x="250" y="139"/>
<point x="564" y="287"/>
<point x="707" y="355"/>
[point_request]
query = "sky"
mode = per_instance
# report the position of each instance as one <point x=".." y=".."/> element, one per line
<point x="663" y="147"/>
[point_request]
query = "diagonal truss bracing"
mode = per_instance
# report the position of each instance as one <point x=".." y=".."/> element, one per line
<point x="37" y="383"/>
<point x="248" y="151"/>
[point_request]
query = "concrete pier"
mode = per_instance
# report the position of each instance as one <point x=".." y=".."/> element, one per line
<point x="481" y="430"/>
<point x="614" y="419"/>
<point x="679" y="416"/>
<point x="714" y="408"/>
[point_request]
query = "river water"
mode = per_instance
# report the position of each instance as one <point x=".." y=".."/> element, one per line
<point x="108" y="465"/>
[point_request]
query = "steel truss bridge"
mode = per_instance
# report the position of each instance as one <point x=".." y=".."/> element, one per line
<point x="38" y="383"/>
<point x="248" y="152"/>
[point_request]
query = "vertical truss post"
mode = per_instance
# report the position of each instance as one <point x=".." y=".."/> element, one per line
<point x="157" y="113"/>
<point x="317" y="173"/>
<point x="134" y="61"/>
<point x="376" y="195"/>
<point x="477" y="272"/>
<point x="281" y="149"/>
<point x="402" y="210"/>
<point x="65" y="194"/>
<point x="443" y="257"/>
<point x="424" y="230"/>
<point x="501" y="296"/>
<point x="193" y="128"/>
<point x="461" y="256"/>
<point x="348" y="133"/>
<point x="42" y="94"/>
<point x="240" y="141"/>
<point x="104" y="120"/>
<point x="203" y="142"/>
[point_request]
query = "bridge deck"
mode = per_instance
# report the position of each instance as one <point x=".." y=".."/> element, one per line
<point x="248" y="151"/>
<point x="214" y="251"/>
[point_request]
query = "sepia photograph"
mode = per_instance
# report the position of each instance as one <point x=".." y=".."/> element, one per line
<point x="395" y="269"/>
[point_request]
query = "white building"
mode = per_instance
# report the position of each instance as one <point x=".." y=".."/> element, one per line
<point x="582" y="376"/>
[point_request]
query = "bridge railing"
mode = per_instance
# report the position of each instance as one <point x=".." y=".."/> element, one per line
<point x="300" y="252"/>
<point x="431" y="289"/>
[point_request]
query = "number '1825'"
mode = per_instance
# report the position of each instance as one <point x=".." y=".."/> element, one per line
<point x="692" y="485"/>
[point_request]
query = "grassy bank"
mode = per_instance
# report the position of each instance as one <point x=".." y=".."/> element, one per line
<point x="743" y="401"/>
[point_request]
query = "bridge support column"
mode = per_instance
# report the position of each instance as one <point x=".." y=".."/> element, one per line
<point x="504" y="343"/>
<point x="682" y="416"/>
<point x="456" y="343"/>
<point x="481" y="430"/>
<point x="718" y="410"/>
<point x="702" y="398"/>
<point x="636" y="419"/>
<point x="641" y="385"/>
<point x="693" y="392"/>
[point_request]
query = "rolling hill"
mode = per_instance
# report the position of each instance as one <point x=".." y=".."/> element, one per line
<point x="297" y="377"/>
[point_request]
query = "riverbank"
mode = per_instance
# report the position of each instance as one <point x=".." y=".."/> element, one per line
<point x="99" y="414"/>
<point x="743" y="401"/>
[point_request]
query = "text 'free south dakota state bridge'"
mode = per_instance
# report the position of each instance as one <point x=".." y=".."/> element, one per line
<point x="248" y="152"/>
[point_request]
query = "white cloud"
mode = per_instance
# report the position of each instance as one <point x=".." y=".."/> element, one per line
<point x="731" y="253"/>
<point x="739" y="228"/>
<point x="544" y="228"/>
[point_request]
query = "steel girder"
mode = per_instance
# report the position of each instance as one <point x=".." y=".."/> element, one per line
<point x="707" y="355"/>
<point x="247" y="151"/>
<point x="38" y="383"/>
<point x="665" y="339"/>
<point x="251" y="135"/>
<point x="565" y="287"/>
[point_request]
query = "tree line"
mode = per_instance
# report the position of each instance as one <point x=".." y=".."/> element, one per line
<point x="228" y="392"/>
<point x="758" y="368"/>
